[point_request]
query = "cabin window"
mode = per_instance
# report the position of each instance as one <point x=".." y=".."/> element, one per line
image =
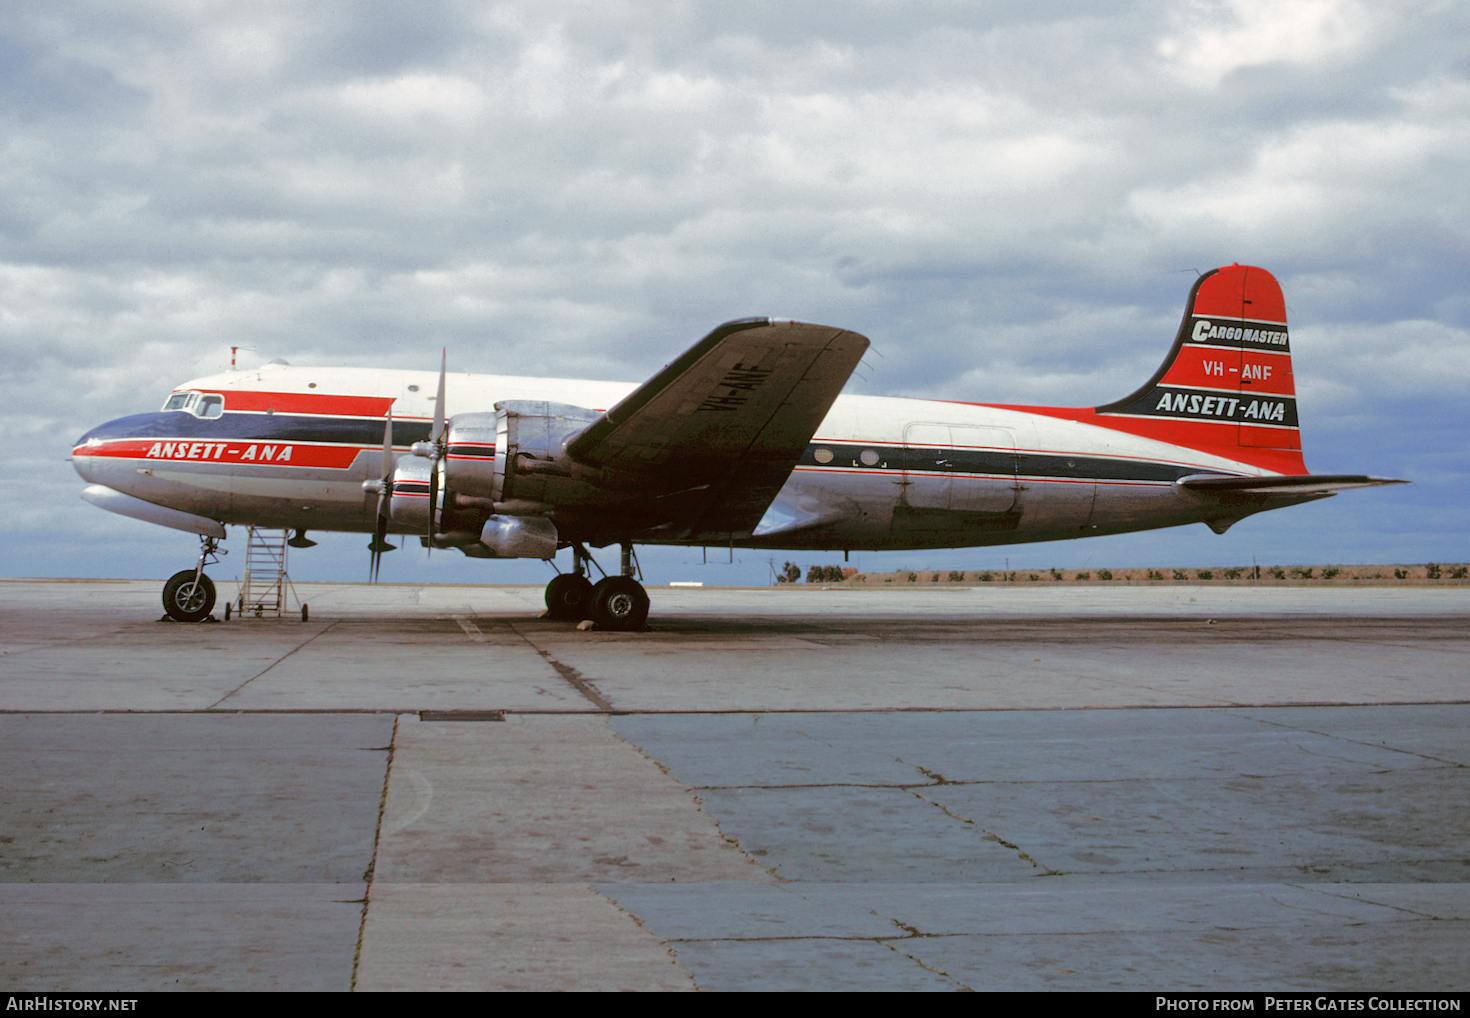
<point x="210" y="407"/>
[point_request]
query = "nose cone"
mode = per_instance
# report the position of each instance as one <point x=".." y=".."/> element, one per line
<point x="110" y="441"/>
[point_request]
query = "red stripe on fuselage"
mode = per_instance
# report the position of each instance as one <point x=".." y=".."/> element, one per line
<point x="324" y="404"/>
<point x="290" y="454"/>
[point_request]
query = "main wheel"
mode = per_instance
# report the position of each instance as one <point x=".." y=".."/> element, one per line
<point x="185" y="600"/>
<point x="619" y="602"/>
<point x="567" y="596"/>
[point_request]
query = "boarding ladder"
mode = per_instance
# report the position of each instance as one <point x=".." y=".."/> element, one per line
<point x="264" y="587"/>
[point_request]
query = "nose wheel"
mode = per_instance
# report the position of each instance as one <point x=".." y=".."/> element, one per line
<point x="188" y="596"/>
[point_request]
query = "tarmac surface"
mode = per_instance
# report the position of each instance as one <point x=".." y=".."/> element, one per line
<point x="425" y="788"/>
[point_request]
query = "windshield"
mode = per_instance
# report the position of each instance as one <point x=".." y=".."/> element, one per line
<point x="206" y="405"/>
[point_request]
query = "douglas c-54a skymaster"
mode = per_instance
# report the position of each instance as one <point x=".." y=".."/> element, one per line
<point x="742" y="440"/>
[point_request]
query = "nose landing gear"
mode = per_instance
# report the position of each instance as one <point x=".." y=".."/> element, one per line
<point x="188" y="596"/>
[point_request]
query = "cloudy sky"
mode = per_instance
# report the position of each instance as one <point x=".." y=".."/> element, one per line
<point x="1010" y="199"/>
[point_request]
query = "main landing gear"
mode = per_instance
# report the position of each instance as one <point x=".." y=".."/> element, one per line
<point x="614" y="602"/>
<point x="188" y="596"/>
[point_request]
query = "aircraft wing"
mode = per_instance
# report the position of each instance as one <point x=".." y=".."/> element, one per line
<point x="730" y="416"/>
<point x="1283" y="484"/>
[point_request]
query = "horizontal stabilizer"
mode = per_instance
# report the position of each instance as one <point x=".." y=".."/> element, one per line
<point x="1279" y="484"/>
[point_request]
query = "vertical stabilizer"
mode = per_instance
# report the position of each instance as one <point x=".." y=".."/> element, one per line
<point x="1226" y="384"/>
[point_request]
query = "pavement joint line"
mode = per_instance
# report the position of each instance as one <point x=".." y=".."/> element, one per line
<point x="325" y="629"/>
<point x="368" y="877"/>
<point x="893" y="946"/>
<point x="571" y="675"/>
<point x="990" y="835"/>
<point x="1357" y="742"/>
<point x="733" y="842"/>
<point x="1326" y="889"/>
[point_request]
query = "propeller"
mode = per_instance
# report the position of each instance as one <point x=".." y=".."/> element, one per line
<point x="384" y="488"/>
<point x="433" y="451"/>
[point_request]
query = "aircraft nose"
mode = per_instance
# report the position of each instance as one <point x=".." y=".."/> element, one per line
<point x="105" y="443"/>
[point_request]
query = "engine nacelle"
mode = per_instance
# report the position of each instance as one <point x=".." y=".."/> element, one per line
<point x="520" y="536"/>
<point x="409" y="504"/>
<point x="469" y="454"/>
<point x="531" y="463"/>
<point x="517" y="453"/>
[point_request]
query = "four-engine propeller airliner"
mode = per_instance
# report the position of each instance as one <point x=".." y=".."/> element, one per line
<point x="742" y="440"/>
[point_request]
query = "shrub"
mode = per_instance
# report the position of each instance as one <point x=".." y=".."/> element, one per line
<point x="1459" y="572"/>
<point x="956" y="577"/>
<point x="1104" y="574"/>
<point x="1400" y="574"/>
<point x="1154" y="574"/>
<point x="1431" y="571"/>
<point x="1277" y="572"/>
<point x="1204" y="574"/>
<point x="1180" y="574"/>
<point x="1033" y="576"/>
<point x="1232" y="574"/>
<point x="986" y="577"/>
<point x="1082" y="576"/>
<point x="1301" y="573"/>
<point x="913" y="577"/>
<point x="1329" y="572"/>
<point x="1056" y="574"/>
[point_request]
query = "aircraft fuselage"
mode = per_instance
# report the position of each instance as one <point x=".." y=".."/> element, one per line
<point x="291" y="447"/>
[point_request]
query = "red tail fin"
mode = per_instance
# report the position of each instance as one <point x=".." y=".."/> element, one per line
<point x="1226" y="385"/>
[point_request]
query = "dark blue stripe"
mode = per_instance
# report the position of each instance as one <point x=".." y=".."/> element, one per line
<point x="260" y="427"/>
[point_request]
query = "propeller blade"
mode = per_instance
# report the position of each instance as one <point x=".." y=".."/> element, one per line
<point x="436" y="439"/>
<point x="437" y="435"/>
<point x="433" y="502"/>
<point x="385" y="494"/>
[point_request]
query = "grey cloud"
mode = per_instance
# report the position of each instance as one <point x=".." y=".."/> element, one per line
<point x="1010" y="199"/>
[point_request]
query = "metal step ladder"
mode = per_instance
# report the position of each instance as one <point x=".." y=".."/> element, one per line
<point x="264" y="587"/>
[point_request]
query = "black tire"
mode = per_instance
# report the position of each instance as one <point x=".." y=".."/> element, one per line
<point x="568" y="597"/>
<point x="186" y="602"/>
<point x="619" y="603"/>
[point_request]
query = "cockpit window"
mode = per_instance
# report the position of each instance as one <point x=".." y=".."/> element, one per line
<point x="208" y="406"/>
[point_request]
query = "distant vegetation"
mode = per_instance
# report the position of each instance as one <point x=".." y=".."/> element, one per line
<point x="1429" y="572"/>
